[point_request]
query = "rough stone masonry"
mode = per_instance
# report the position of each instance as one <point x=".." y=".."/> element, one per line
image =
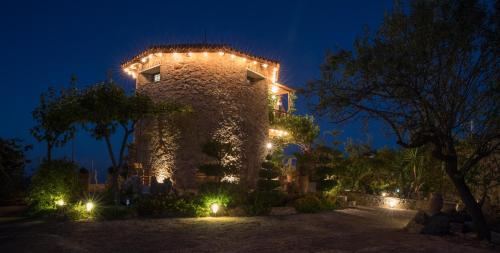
<point x="228" y="91"/>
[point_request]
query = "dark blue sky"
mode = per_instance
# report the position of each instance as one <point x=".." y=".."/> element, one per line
<point x="44" y="42"/>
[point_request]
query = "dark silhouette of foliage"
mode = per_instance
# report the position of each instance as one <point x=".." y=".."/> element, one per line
<point x="12" y="164"/>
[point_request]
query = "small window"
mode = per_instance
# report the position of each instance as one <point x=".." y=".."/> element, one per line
<point x="156" y="77"/>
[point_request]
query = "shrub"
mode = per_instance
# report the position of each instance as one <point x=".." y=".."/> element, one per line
<point x="55" y="180"/>
<point x="268" y="172"/>
<point x="114" y="212"/>
<point x="313" y="204"/>
<point x="261" y="202"/>
<point x="308" y="204"/>
<point x="166" y="206"/>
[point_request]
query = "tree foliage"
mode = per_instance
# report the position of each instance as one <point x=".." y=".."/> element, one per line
<point x="56" y="118"/>
<point x="107" y="108"/>
<point x="12" y="164"/>
<point x="431" y="73"/>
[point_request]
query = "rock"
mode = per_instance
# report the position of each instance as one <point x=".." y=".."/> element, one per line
<point x="283" y="210"/>
<point x="417" y="223"/>
<point x="435" y="203"/>
<point x="438" y="224"/>
<point x="495" y="237"/>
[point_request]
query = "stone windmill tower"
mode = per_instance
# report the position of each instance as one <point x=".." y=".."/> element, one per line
<point x="229" y="92"/>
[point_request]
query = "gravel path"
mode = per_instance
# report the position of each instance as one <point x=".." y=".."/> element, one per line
<point x="350" y="230"/>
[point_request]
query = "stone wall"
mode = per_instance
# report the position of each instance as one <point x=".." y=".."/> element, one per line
<point x="227" y="107"/>
<point x="400" y="203"/>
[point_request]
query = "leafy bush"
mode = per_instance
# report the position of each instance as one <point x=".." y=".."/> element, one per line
<point x="114" y="212"/>
<point x="261" y="202"/>
<point x="53" y="181"/>
<point x="308" y="204"/>
<point x="268" y="172"/>
<point x="166" y="206"/>
<point x="314" y="204"/>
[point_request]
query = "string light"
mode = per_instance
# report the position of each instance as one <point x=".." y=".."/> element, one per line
<point x="190" y="54"/>
<point x="232" y="56"/>
<point x="145" y="59"/>
<point x="205" y="54"/>
<point x="264" y="65"/>
<point x="221" y="53"/>
<point x="274" y="89"/>
<point x="254" y="62"/>
<point x="269" y="145"/>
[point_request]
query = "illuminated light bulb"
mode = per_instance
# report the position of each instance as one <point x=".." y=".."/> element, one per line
<point x="274" y="89"/>
<point x="205" y="54"/>
<point x="244" y="59"/>
<point x="60" y="202"/>
<point x="145" y="59"/>
<point x="264" y="65"/>
<point x="392" y="202"/>
<point x="285" y="133"/>
<point x="221" y="53"/>
<point x="190" y="54"/>
<point x="214" y="207"/>
<point x="254" y="62"/>
<point x="269" y="145"/>
<point x="89" y="206"/>
<point x="150" y="56"/>
<point x="232" y="56"/>
<point x="273" y="96"/>
<point x="384" y="194"/>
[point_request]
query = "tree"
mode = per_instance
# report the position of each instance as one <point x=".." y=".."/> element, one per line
<point x="56" y="117"/>
<point x="431" y="73"/>
<point x="106" y="108"/>
<point x="303" y="131"/>
<point x="12" y="164"/>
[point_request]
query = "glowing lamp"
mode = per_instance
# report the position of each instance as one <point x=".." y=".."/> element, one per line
<point x="244" y="59"/>
<point x="264" y="65"/>
<point x="190" y="54"/>
<point x="89" y="206"/>
<point x="274" y="89"/>
<point x="233" y="56"/>
<point x="205" y="54"/>
<point x="392" y="202"/>
<point x="384" y="194"/>
<point x="254" y="62"/>
<point x="60" y="202"/>
<point x="145" y="59"/>
<point x="221" y="53"/>
<point x="214" y="207"/>
<point x="269" y="145"/>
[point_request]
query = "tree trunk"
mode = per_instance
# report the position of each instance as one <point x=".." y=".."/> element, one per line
<point x="114" y="182"/>
<point x="473" y="208"/>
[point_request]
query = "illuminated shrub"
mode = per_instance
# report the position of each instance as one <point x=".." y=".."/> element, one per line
<point x="52" y="182"/>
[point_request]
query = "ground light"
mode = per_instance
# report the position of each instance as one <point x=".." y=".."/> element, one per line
<point x="89" y="206"/>
<point x="392" y="202"/>
<point x="215" y="208"/>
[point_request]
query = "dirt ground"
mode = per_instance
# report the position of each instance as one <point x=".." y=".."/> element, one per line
<point x="350" y="230"/>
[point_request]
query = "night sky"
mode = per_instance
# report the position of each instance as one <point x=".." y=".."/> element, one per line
<point x="44" y="42"/>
